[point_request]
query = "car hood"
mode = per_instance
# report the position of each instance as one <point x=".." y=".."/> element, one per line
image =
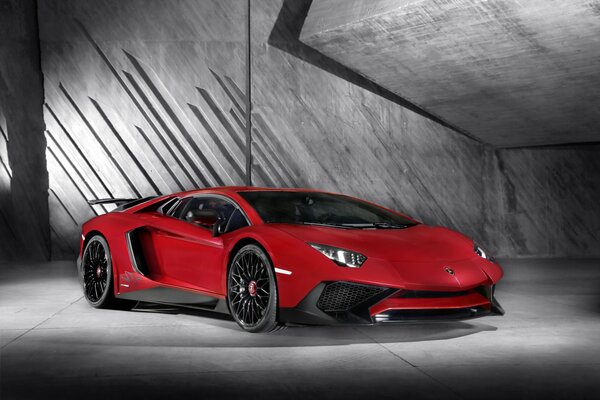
<point x="419" y="243"/>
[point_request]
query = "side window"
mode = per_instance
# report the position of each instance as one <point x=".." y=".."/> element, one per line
<point x="222" y="207"/>
<point x="236" y="221"/>
<point x="167" y="207"/>
<point x="225" y="210"/>
<point x="181" y="209"/>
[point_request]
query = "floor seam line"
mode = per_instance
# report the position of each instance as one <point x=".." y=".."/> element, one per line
<point x="40" y="323"/>
<point x="414" y="366"/>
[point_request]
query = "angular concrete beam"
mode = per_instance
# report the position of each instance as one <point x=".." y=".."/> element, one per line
<point x="509" y="72"/>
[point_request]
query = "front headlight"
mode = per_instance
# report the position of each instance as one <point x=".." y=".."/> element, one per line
<point x="341" y="257"/>
<point x="482" y="253"/>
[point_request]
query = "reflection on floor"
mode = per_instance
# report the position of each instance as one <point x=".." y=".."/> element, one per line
<point x="547" y="345"/>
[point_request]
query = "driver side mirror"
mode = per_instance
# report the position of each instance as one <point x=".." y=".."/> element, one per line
<point x="219" y="226"/>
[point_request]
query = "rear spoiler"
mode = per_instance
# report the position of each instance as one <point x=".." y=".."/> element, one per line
<point x="117" y="202"/>
<point x="122" y="204"/>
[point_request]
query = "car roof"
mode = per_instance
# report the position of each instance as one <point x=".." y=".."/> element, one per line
<point x="233" y="191"/>
<point x="237" y="189"/>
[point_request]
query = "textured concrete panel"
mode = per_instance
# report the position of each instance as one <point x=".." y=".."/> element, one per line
<point x="345" y="138"/>
<point x="24" y="228"/>
<point x="141" y="99"/>
<point x="147" y="97"/>
<point x="7" y="235"/>
<point x="508" y="72"/>
<point x="544" y="201"/>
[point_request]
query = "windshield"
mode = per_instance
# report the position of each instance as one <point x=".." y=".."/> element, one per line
<point x="316" y="208"/>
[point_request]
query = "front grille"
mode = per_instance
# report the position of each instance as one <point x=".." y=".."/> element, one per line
<point x="344" y="296"/>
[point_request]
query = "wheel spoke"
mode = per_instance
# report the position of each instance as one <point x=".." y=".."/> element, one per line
<point x="267" y="293"/>
<point x="244" y="304"/>
<point x="249" y="312"/>
<point x="88" y="289"/>
<point x="251" y="266"/>
<point x="237" y="281"/>
<point x="235" y="302"/>
<point x="253" y="320"/>
<point x="259" y="302"/>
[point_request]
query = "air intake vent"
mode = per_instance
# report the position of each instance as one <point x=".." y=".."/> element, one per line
<point x="344" y="296"/>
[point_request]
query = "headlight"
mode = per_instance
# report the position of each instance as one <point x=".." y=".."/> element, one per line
<point x="341" y="257"/>
<point x="482" y="253"/>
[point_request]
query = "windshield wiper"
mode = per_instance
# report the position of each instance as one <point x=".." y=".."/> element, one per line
<point x="379" y="225"/>
<point x="374" y="225"/>
<point x="325" y="224"/>
<point x="344" y="226"/>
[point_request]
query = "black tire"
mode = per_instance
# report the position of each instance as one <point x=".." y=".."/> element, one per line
<point x="97" y="276"/>
<point x="252" y="290"/>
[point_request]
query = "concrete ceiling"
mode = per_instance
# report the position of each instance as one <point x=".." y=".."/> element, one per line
<point x="509" y="72"/>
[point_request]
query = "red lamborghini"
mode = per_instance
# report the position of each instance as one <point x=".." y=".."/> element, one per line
<point x="271" y="256"/>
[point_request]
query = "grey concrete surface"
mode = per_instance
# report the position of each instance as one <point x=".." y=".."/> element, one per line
<point x="543" y="201"/>
<point x="24" y="216"/>
<point x="342" y="137"/>
<point x="131" y="109"/>
<point x="139" y="97"/>
<point x="53" y="345"/>
<point x="511" y="73"/>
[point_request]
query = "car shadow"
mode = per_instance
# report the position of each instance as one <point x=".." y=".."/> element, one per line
<point x="293" y="335"/>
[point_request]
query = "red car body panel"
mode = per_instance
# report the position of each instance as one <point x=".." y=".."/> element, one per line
<point x="468" y="300"/>
<point x="186" y="257"/>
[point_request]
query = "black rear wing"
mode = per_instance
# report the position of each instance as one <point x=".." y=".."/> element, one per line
<point x="117" y="202"/>
<point x="121" y="203"/>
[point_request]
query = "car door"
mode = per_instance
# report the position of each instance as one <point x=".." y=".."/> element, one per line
<point x="189" y="255"/>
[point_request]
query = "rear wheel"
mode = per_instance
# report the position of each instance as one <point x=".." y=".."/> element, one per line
<point x="252" y="290"/>
<point x="97" y="276"/>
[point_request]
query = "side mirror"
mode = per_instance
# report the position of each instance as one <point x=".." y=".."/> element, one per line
<point x="204" y="218"/>
<point x="219" y="226"/>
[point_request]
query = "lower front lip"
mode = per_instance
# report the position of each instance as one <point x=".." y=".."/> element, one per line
<point x="442" y="303"/>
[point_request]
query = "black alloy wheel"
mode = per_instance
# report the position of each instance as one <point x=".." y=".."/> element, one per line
<point x="252" y="290"/>
<point x="97" y="276"/>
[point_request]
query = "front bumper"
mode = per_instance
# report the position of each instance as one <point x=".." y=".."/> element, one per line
<point x="341" y="302"/>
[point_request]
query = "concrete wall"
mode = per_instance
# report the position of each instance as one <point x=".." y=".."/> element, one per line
<point x="339" y="136"/>
<point x="24" y="229"/>
<point x="7" y="236"/>
<point x="512" y="73"/>
<point x="146" y="96"/>
<point x="544" y="202"/>
<point x="142" y="98"/>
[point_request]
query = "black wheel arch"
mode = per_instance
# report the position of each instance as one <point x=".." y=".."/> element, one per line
<point x="243" y="242"/>
<point x="90" y="235"/>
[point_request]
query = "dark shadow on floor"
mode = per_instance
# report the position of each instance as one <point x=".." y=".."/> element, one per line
<point x="305" y="335"/>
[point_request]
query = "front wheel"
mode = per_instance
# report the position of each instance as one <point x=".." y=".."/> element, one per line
<point x="252" y="290"/>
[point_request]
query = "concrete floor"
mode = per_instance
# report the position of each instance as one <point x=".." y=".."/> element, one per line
<point x="547" y="345"/>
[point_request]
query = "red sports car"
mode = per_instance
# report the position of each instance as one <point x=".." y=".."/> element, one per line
<point x="271" y="256"/>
